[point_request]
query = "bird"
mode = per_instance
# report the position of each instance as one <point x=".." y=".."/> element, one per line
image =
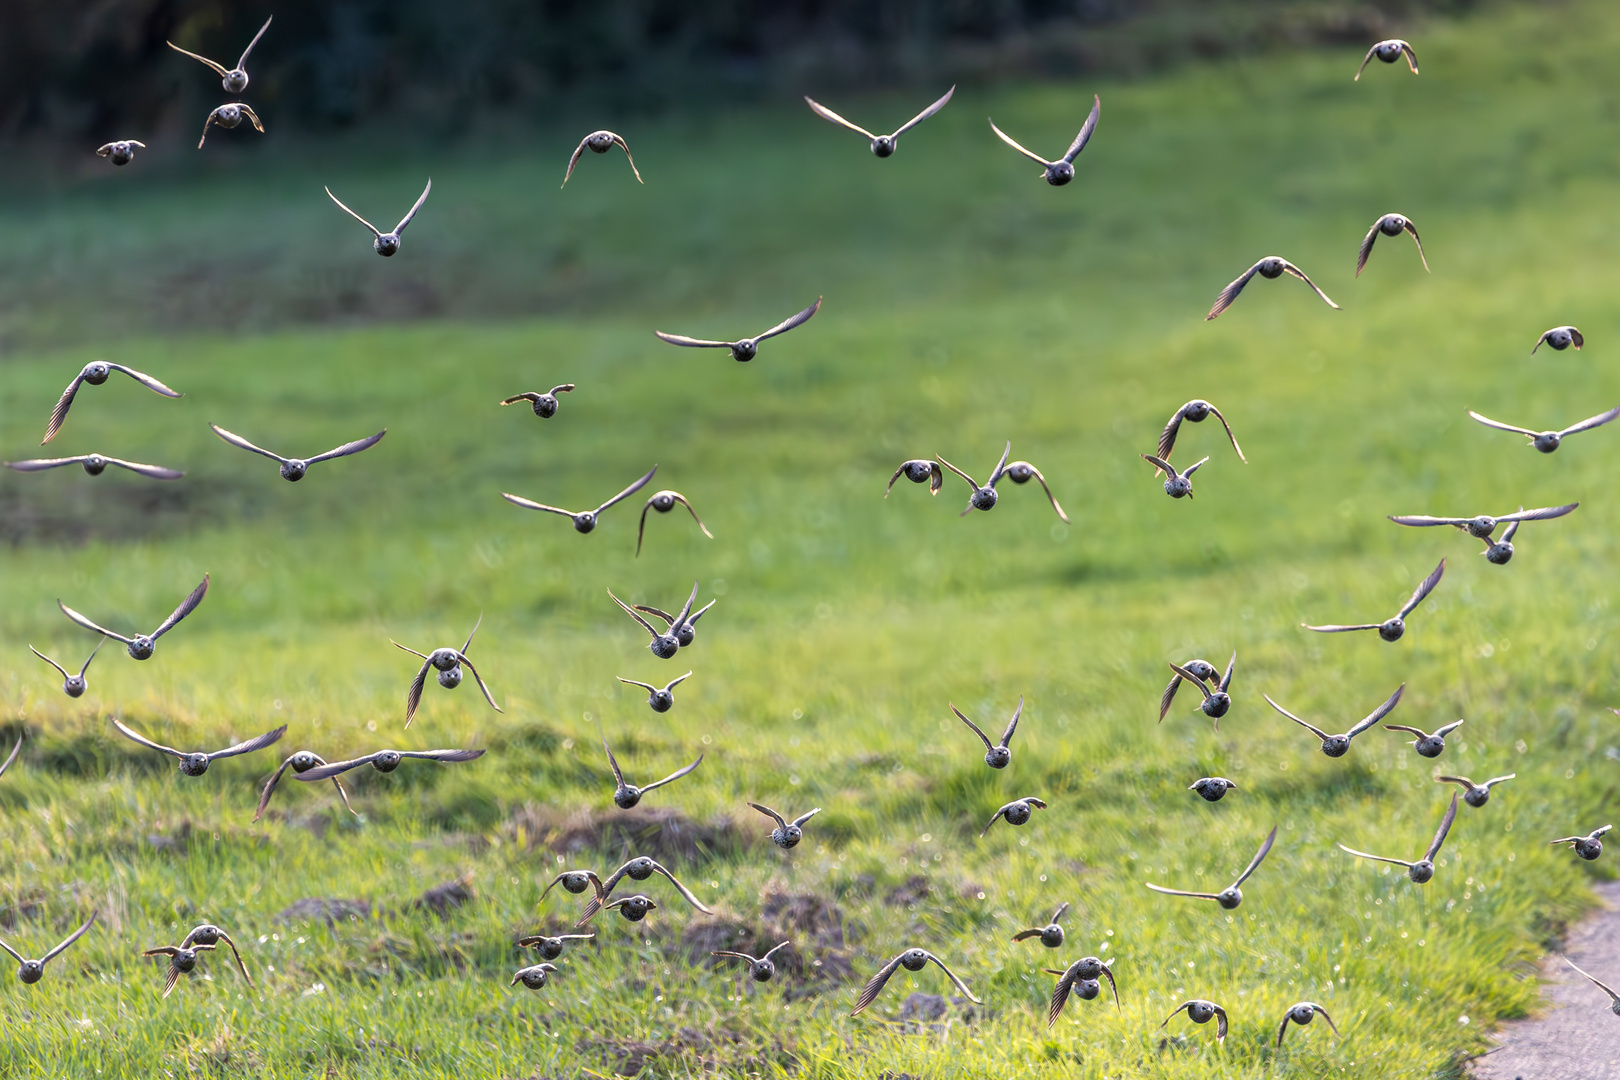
<point x="1589" y="846"/>
<point x="1389" y="225"/>
<point x="632" y="908"/>
<point x="787" y="833"/>
<point x="1393" y="627"/>
<point x="626" y="795"/>
<point x="1051" y="934"/>
<point x="1389" y="52"/>
<point x="1022" y="472"/>
<point x="95" y="464"/>
<point x="1614" y="998"/>
<point x="15" y="750"/>
<point x="1212" y="788"/>
<point x="1019" y="472"/>
<point x="1231" y="896"/>
<point x="141" y="646"/>
<point x="576" y="881"/>
<point x="1200" y="1011"/>
<point x="661" y="700"/>
<point x="1016" y="812"/>
<point x="1081" y="978"/>
<point x="384" y="761"/>
<point x="999" y="754"/>
<point x="1059" y="172"/>
<point x="684" y="626"/>
<point x="744" y="349"/>
<point x="584" y="520"/>
<point x="600" y="142"/>
<point x="1338" y="745"/>
<point x="664" y="644"/>
<point x="760" y="968"/>
<point x="1302" y="1014"/>
<point x="1560" y="338"/>
<point x="386" y="244"/>
<point x="196" y="762"/>
<point x="31" y="971"/>
<point x="1427" y="745"/>
<point x="550" y="948"/>
<point x="917" y="470"/>
<point x="72" y="685"/>
<point x="95" y="373"/>
<point x="1422" y="870"/>
<point x="911" y="960"/>
<point x="663" y="502"/>
<point x="121" y="151"/>
<point x="236" y="79"/>
<point x="182" y="959"/>
<point x="1497" y="551"/>
<point x="228" y="117"/>
<point x="1216" y="703"/>
<point x="545" y="405"/>
<point x="448" y="663"/>
<point x="300" y="762"/>
<point x="293" y="469"/>
<point x="1475" y="795"/>
<point x="1547" y="441"/>
<point x="208" y="936"/>
<point x="882" y="145"/>
<point x="1195" y="411"/>
<point x="533" y="977"/>
<point x="1176" y="485"/>
<point x="1270" y="267"/>
<point x="640" y="868"/>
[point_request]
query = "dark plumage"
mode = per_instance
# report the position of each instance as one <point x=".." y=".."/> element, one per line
<point x="743" y="349"/>
<point x="236" y="79"/>
<point x="386" y="244"/>
<point x="1231" y="896"/>
<point x="207" y="935"/>
<point x="633" y="908"/>
<point x="1195" y="411"/>
<point x="918" y="470"/>
<point x="1059" y="172"/>
<point x="626" y="795"/>
<point x="141" y="646"/>
<point x="911" y="960"/>
<point x="550" y="948"/>
<point x="787" y="833"/>
<point x="996" y="755"/>
<point x="182" y="959"/>
<point x="1082" y="978"/>
<point x="1177" y="485"/>
<point x="882" y="145"/>
<point x="300" y="762"/>
<point x="1201" y="673"/>
<point x="1393" y="627"/>
<point x="1016" y="812"/>
<point x="1200" y="1011"/>
<point x="661" y="700"/>
<point x="1560" y="338"/>
<point x="1475" y="795"/>
<point x="638" y="869"/>
<point x="984" y="496"/>
<point x="1587" y="847"/>
<point x="584" y="520"/>
<point x="95" y="465"/>
<point x="760" y="968"/>
<point x="31" y="971"/>
<point x="533" y="977"/>
<point x="121" y="151"/>
<point x="1302" y="1014"/>
<point x="577" y="881"/>
<point x="196" y="762"/>
<point x="681" y="630"/>
<point x="1270" y="267"/>
<point x="600" y="142"/>
<point x="384" y="761"/>
<point x="545" y="404"/>
<point x="1389" y="225"/>
<point x="1338" y="745"/>
<point x="1427" y="745"/>
<point x="72" y="685"/>
<point x="1497" y="551"/>
<point x="663" y="502"/>
<point x="294" y="468"/>
<point x="1212" y="788"/>
<point x="1051" y="934"/>
<point x="448" y="663"/>
<point x="1422" y="870"/>
<point x="228" y="117"/>
<point x="1389" y="52"/>
<point x="1548" y="441"/>
<point x="95" y="373"/>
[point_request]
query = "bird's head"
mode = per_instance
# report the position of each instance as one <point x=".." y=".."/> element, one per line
<point x="303" y="761"/>
<point x="1420" y="871"/>
<point x="584" y="523"/>
<point x="627" y="796"/>
<point x="1229" y="898"/>
<point x="73" y="686"/>
<point x="983" y="498"/>
<point x="998" y="757"/>
<point x="1059" y="173"/>
<point x="95" y="464"/>
<point x="386" y="245"/>
<point x="1052" y="936"/>
<point x="235" y="81"/>
<point x="31" y="971"/>
<point x="450" y="679"/>
<point x="744" y="351"/>
<point x="1392" y="629"/>
<point x="1499" y="553"/>
<point x="141" y="647"/>
<point x="913" y="959"/>
<point x="665" y="646"/>
<point x="1336" y="745"/>
<point x="294" y="469"/>
<point x="883" y="146"/>
<point x="194" y="764"/>
<point x="661" y="700"/>
<point x="95" y="373"/>
<point x="1547" y="441"/>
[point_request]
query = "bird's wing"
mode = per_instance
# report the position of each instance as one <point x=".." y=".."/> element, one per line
<point x="105" y="150"/>
<point x="1589" y="979"/>
<point x="678" y="497"/>
<point x="479" y="679"/>
<point x="187" y="606"/>
<point x="1379" y="713"/>
<point x="1498" y="779"/>
<point x="976" y="729"/>
<point x="471" y="634"/>
<point x="146" y="380"/>
<point x="574" y="160"/>
<point x="1376" y="858"/>
<point x="1036" y="803"/>
<point x="1337" y="629"/>
<point x="1507" y="534"/>
<point x="1411" y="57"/>
<point x="1361" y="262"/>
<point x="802" y="818"/>
<point x="1591" y="422"/>
<point x="63" y="403"/>
<point x="1226" y="679"/>
<point x="1419" y="732"/>
<point x="1049" y="496"/>
<point x="1324" y="1014"/>
<point x="530" y="504"/>
<point x="613" y="764"/>
<point x="1168" y="696"/>
<point x="869" y="992"/>
<point x="1445" y="827"/>
<point x="686" y="609"/>
<point x="1411" y="228"/>
<point x="1259" y="857"/>
<point x="374" y="230"/>
<point x="1161" y="464"/>
<point x="1179" y="892"/>
<point x="1025" y="935"/>
<point x="349" y="448"/>
<point x="993" y="819"/>
<point x="167" y="950"/>
<point x="1423" y="590"/>
<point x="247" y="746"/>
<point x="14" y="953"/>
<point x="971" y="482"/>
<point x="827" y="114"/>
<point x="925" y="114"/>
<point x="686" y="894"/>
<point x="1488" y="422"/>
<point x="88" y="625"/>
<point x="1001" y="466"/>
<point x="1448" y="729"/>
<point x="960" y="985"/>
<point x="1460" y="780"/>
<point x="239" y="64"/>
<point x="636" y="615"/>
<point x="1575" y="337"/>
<point x="53" y="664"/>
<point x="1109" y="975"/>
<point x="1312" y="728"/>
<point x="1595" y="833"/>
<point x="727" y="952"/>
<point x="270" y="787"/>
<point x="692" y="619"/>
<point x="15" y="750"/>
<point x="622" y="145"/>
<point x="1229" y="435"/>
<point x="691" y="342"/>
<point x="1541" y="513"/>
<point x="221" y="71"/>
<point x="1086" y="129"/>
<point x="38" y="464"/>
<point x="207" y="120"/>
<point x="156" y="472"/>
<point x="1220" y="1023"/>
<point x="649" y="687"/>
<point x="1364" y="62"/>
<point x="1230" y="293"/>
<point x="898" y="473"/>
<point x="70" y="939"/>
<point x="399" y="230"/>
<point x="442" y="755"/>
<point x="226" y="938"/>
<point x="1297" y="272"/>
<point x="1008" y="139"/>
<point x="768" y="812"/>
<point x="1190" y="677"/>
<point x="237" y="441"/>
<point x="1194" y="467"/>
<point x="1424" y="520"/>
<point x="792" y="321"/>
<point x="528" y="395"/>
<point x="170" y="978"/>
<point x="676" y="775"/>
<point x="333" y="768"/>
<point x="135" y="736"/>
<point x="1012" y="726"/>
<point x="253" y="116"/>
<point x="1167" y="437"/>
<point x="1540" y="341"/>
<point x="629" y="491"/>
<point x="1178" y="1008"/>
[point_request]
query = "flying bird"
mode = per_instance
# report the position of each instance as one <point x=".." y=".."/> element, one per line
<point x="1022" y="472"/>
<point x="384" y="761"/>
<point x="95" y="464"/>
<point x="72" y="685"/>
<point x="1587" y="847"/>
<point x="1338" y="745"/>
<point x="294" y="468"/>
<point x="627" y="795"/>
<point x="1177" y="485"/>
<point x="1547" y="441"/>
<point x="600" y="142"/>
<point x="1051" y="934"/>
<point x="1270" y="267"/>
<point x="1475" y="795"/>
<point x="448" y="662"/>
<point x="661" y="700"/>
<point x="1231" y="896"/>
<point x="744" y="349"/>
<point x="1422" y="870"/>
<point x="545" y="405"/>
<point x="300" y="762"/>
<point x="681" y="630"/>
<point x="1059" y="172"/>
<point x="787" y="833"/>
<point x="1200" y="1011"/>
<point x="550" y="948"/>
<point x="1019" y="472"/>
<point x="584" y="520"/>
<point x="533" y="977"/>
<point x="882" y="145"/>
<point x="1200" y="669"/>
<point x="1427" y="745"/>
<point x="1212" y="788"/>
<point x="1498" y="551"/>
<point x="386" y="243"/>
<point x="236" y="79"/>
<point x="663" y="502"/>
<point x="122" y="151"/>
<point x="760" y="968"/>
<point x="1195" y="411"/>
<point x="95" y="373"/>
<point x="1302" y="1014"/>
<point x="918" y="470"/>
<point x="15" y="750"/>
<point x="182" y="959"/>
<point x="208" y="936"/>
<point x="1216" y="703"/>
<point x="1560" y="338"/>
<point x="141" y="646"/>
<point x="633" y="908"/>
<point x="1389" y="225"/>
<point x="996" y="755"/>
<point x="576" y="881"/>
<point x="1393" y="627"/>
<point x="1081" y="977"/>
<point x="196" y="762"/>
<point x="1614" y="998"/>
<point x="31" y="971"/>
<point x="1389" y="52"/>
<point x="911" y="960"/>
<point x="228" y="117"/>
<point x="1016" y="812"/>
<point x="638" y="869"/>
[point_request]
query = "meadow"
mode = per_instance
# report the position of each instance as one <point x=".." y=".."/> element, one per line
<point x="966" y="303"/>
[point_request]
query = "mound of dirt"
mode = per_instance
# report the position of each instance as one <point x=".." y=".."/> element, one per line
<point x="693" y="1051"/>
<point x="665" y="834"/>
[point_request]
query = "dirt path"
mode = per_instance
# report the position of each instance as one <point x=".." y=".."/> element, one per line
<point x="1577" y="1038"/>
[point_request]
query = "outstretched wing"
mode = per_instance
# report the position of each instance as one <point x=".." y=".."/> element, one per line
<point x="247" y="746"/>
<point x="802" y="818"/>
<point x="827" y="114"/>
<point x="349" y="448"/>
<point x="53" y="664"/>
<point x="636" y="615"/>
<point x="70" y="939"/>
<point x="976" y="729"/>
<point x="219" y="70"/>
<point x="479" y="679"/>
<point x="1445" y="827"/>
<point x="1361" y="262"/>
<point x="399" y="230"/>
<point x="1012" y="726"/>
<point x="187" y="606"/>
<point x="1593" y="981"/>
<point x="146" y="380"/>
<point x="1297" y="272"/>
<point x="270" y="787"/>
<point x="1190" y="677"/>
<point x="135" y="736"/>
<point x="1424" y="520"/>
<point x="1180" y="892"/>
<point x="691" y="342"/>
<point x="88" y="625"/>
<point x="1365" y="60"/>
<point x="768" y="812"/>
<point x="1376" y="858"/>
<point x="1226" y="679"/>
<point x="1168" y="696"/>
<point x="1423" y="590"/>
<point x="629" y="491"/>
<point x="1312" y="728"/>
<point x="1542" y="513"/>
<point x="1377" y="714"/>
<point x="1411" y="228"/>
<point x="156" y="472"/>
<point x="1230" y="293"/>
<point x="374" y="230"/>
<point x="960" y="985"/>
<point x="1448" y="729"/>
<point x="578" y="150"/>
<point x="1025" y="935"/>
<point x="1008" y="139"/>
<point x="1591" y="422"/>
<point x="676" y="775"/>
<point x="1086" y="129"/>
<point x="530" y="504"/>
<point x="15" y="750"/>
<point x="239" y="64"/>
<point x="442" y="755"/>
<point x="237" y="441"/>
<point x="1488" y="422"/>
<point x="1411" y="57"/>
<point x="1238" y="449"/>
<point x="791" y="321"/>
<point x="971" y="482"/>
<point x="875" y="984"/>
<point x="1337" y="629"/>
<point x="1259" y="857"/>
<point x="686" y="893"/>
<point x="63" y="404"/>
<point x="226" y="938"/>
<point x="925" y="114"/>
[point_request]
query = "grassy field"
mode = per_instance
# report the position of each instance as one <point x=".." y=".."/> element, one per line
<point x="966" y="303"/>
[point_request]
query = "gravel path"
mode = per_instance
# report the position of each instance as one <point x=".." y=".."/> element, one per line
<point x="1577" y="1038"/>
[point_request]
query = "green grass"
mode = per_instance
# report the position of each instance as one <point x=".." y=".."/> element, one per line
<point x="966" y="303"/>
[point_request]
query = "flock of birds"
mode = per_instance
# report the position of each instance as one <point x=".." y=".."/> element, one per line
<point x="672" y="633"/>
